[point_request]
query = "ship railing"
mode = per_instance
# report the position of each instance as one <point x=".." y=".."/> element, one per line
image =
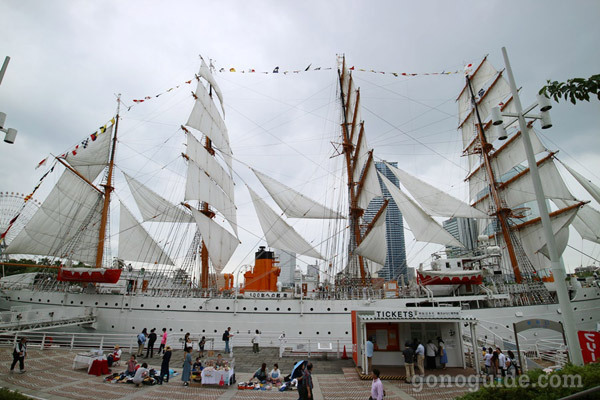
<point x="314" y="347"/>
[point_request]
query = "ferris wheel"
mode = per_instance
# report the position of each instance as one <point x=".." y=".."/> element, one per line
<point x="11" y="204"/>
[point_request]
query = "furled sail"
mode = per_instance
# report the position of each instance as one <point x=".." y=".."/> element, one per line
<point x="294" y="204"/>
<point x="278" y="233"/>
<point x="423" y="227"/>
<point x="370" y="186"/>
<point x="434" y="201"/>
<point x="153" y="206"/>
<point x="135" y="244"/>
<point x="592" y="189"/>
<point x="200" y="187"/>
<point x="91" y="156"/>
<point x="205" y="118"/>
<point x="220" y="244"/>
<point x="210" y="165"/>
<point x="374" y="244"/>
<point x="66" y="225"/>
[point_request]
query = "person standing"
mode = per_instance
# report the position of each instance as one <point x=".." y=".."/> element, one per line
<point x="431" y="351"/>
<point x="487" y="361"/>
<point x="443" y="353"/>
<point x="256" y="342"/>
<point x="141" y="339"/>
<point x="164" y="366"/>
<point x="201" y="344"/>
<point x="19" y="354"/>
<point x="420" y="353"/>
<point x="376" y="386"/>
<point x="151" y="341"/>
<point x="501" y="362"/>
<point x="409" y="361"/>
<point x="305" y="386"/>
<point x="369" y="350"/>
<point x="163" y="341"/>
<point x="187" y="367"/>
<point x="226" y="337"/>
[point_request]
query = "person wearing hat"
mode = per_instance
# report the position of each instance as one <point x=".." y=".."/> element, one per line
<point x="164" y="366"/>
<point x="19" y="353"/>
<point x="115" y="356"/>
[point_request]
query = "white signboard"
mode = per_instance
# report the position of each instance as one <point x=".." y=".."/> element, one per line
<point x="268" y="295"/>
<point x="421" y="313"/>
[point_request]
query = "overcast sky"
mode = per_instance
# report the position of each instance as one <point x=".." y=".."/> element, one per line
<point x="70" y="58"/>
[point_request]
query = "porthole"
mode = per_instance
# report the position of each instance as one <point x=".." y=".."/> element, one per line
<point x="18" y="298"/>
<point x="39" y="300"/>
<point x="277" y="308"/>
<point x="96" y="303"/>
<point x="142" y="305"/>
<point x="215" y="331"/>
<point x="329" y="333"/>
<point x="255" y="308"/>
<point x="311" y="309"/>
<point x="170" y="329"/>
<point x="203" y="330"/>
<point x="116" y="304"/>
<point x="299" y="333"/>
<point x="71" y="301"/>
<point x="168" y="306"/>
<point x="317" y="333"/>
<point x="48" y="301"/>
<point x="346" y="332"/>
<point x="184" y="307"/>
<point x="289" y="309"/>
<point x="158" y="305"/>
<point x="345" y="308"/>
<point x="113" y="327"/>
<point x="266" y="308"/>
<point x="133" y="328"/>
<point x="228" y="308"/>
<point x="81" y="302"/>
<point x="201" y="307"/>
<point x="181" y="330"/>
<point x="244" y="308"/>
<point x="31" y="299"/>
<point x="105" y="304"/>
<point x="328" y="309"/>
<point x="216" y="308"/>
<point x="126" y="304"/>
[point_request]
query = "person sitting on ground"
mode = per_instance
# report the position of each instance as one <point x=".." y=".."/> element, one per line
<point x="197" y="367"/>
<point x="140" y="374"/>
<point x="131" y="364"/>
<point x="275" y="375"/>
<point x="220" y="361"/>
<point x="114" y="356"/>
<point x="261" y="373"/>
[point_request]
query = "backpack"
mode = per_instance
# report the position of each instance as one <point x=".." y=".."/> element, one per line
<point x="225" y="336"/>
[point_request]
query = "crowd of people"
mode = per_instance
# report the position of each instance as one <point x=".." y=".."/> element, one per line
<point x="497" y="364"/>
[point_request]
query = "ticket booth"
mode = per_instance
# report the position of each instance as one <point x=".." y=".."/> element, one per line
<point x="392" y="328"/>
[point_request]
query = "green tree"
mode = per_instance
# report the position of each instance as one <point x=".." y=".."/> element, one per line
<point x="573" y="89"/>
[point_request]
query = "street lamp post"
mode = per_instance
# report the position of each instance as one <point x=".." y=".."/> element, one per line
<point x="556" y="265"/>
<point x="11" y="134"/>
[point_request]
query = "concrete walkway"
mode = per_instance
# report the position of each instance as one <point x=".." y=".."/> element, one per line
<point x="50" y="376"/>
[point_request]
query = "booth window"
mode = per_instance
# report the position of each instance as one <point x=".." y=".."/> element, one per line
<point x="386" y="336"/>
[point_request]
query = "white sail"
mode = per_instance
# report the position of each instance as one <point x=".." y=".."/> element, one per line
<point x="434" y="201"/>
<point x="66" y="225"/>
<point x="278" y="233"/>
<point x="511" y="154"/>
<point x="209" y="164"/>
<point x="533" y="239"/>
<point x="592" y="189"/>
<point x="91" y="156"/>
<point x="153" y="206"/>
<point x="520" y="190"/>
<point x="374" y="244"/>
<point x="423" y="227"/>
<point x="200" y="187"/>
<point x="586" y="222"/>
<point x="206" y="74"/>
<point x="205" y="118"/>
<point x="370" y="187"/>
<point x="135" y="244"/>
<point x="220" y="244"/>
<point x="294" y="204"/>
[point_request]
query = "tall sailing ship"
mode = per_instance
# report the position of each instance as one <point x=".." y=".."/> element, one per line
<point x="178" y="277"/>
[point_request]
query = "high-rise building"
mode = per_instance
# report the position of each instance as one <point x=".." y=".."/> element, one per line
<point x="395" y="261"/>
<point x="465" y="231"/>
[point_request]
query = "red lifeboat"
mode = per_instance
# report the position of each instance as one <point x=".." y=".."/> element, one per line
<point x="453" y="277"/>
<point x="95" y="275"/>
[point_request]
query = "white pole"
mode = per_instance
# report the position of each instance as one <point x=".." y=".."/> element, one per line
<point x="4" y="66"/>
<point x="557" y="270"/>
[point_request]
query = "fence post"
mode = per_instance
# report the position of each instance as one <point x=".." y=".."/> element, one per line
<point x="101" y="342"/>
<point x="337" y="353"/>
<point x="43" y="341"/>
<point x="308" y="348"/>
<point x="72" y="340"/>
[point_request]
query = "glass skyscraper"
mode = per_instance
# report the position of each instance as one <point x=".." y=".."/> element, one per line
<point x="395" y="261"/>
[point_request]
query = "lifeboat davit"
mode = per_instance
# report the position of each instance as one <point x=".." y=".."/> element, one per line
<point x="95" y="275"/>
<point x="453" y="277"/>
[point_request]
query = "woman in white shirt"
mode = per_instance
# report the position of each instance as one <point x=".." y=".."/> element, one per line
<point x="430" y="353"/>
<point x="256" y="342"/>
<point x="275" y="375"/>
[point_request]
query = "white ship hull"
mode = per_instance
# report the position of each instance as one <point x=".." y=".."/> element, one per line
<point x="308" y="318"/>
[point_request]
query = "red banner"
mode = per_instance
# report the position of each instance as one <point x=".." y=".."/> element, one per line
<point x="590" y="346"/>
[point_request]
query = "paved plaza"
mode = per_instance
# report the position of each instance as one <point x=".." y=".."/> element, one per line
<point x="50" y="376"/>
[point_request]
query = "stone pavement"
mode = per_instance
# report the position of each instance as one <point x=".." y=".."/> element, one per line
<point x="50" y="376"/>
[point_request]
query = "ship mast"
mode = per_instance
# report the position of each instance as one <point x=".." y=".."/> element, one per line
<point x="502" y="212"/>
<point x="108" y="188"/>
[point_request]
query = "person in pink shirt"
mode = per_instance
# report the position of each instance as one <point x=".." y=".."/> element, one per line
<point x="376" y="386"/>
<point x="163" y="341"/>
